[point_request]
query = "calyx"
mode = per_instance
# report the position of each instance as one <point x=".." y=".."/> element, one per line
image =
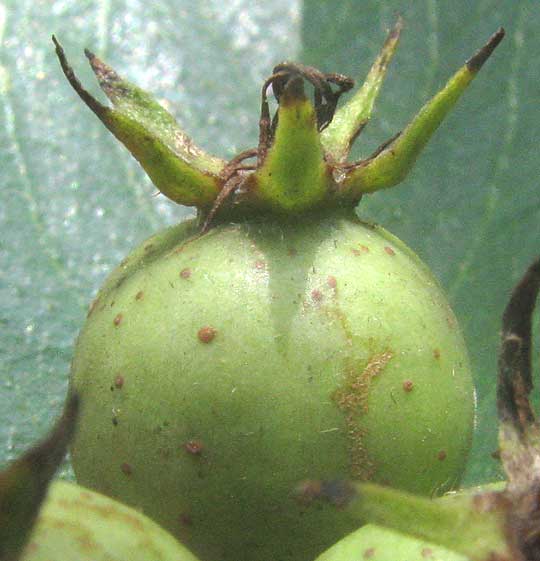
<point x="300" y="163"/>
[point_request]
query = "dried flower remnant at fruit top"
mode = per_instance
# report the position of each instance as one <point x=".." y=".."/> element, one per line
<point x="300" y="162"/>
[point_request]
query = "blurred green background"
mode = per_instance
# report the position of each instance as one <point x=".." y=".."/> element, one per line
<point x="73" y="202"/>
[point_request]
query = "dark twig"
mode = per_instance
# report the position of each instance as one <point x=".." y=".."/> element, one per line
<point x="515" y="380"/>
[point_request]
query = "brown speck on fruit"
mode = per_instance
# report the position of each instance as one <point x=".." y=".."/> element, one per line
<point x="427" y="552"/>
<point x="186" y="520"/>
<point x="355" y="251"/>
<point x="206" y="334"/>
<point x="292" y="252"/>
<point x="389" y="250"/>
<point x="408" y="386"/>
<point x="369" y="553"/>
<point x="115" y="421"/>
<point x="194" y="447"/>
<point x="139" y="295"/>
<point x="436" y="354"/>
<point x="364" y="248"/>
<point x="441" y="456"/>
<point x="126" y="468"/>
<point x="118" y="319"/>
<point x="496" y="454"/>
<point x="331" y="281"/>
<point x="148" y="247"/>
<point x="260" y="265"/>
<point x="185" y="273"/>
<point x="316" y="295"/>
<point x="119" y="382"/>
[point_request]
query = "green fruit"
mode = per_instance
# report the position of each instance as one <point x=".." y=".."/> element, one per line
<point x="373" y="543"/>
<point x="217" y="373"/>
<point x="76" y="524"/>
<point x="278" y="337"/>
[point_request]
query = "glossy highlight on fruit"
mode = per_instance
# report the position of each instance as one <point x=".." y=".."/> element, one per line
<point x="277" y="337"/>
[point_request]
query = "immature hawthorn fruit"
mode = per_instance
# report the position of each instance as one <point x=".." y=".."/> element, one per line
<point x="278" y="336"/>
<point x="494" y="522"/>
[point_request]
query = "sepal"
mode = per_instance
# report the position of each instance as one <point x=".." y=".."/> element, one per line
<point x="293" y="175"/>
<point x="178" y="168"/>
<point x="392" y="161"/>
<point x="351" y="118"/>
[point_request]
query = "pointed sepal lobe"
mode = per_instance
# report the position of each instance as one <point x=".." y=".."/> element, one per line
<point x="178" y="168"/>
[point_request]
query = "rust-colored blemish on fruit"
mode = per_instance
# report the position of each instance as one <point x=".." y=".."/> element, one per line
<point x="331" y="281"/>
<point x="206" y="334"/>
<point x="126" y="469"/>
<point x="118" y="319"/>
<point x="408" y="386"/>
<point x="389" y="250"/>
<point x="361" y="249"/>
<point x="292" y="252"/>
<point x="185" y="273"/>
<point x="194" y="447"/>
<point x="148" y="246"/>
<point x="352" y="400"/>
<point x="139" y="295"/>
<point x="119" y="382"/>
<point x="260" y="265"/>
<point x="441" y="456"/>
<point x="436" y="354"/>
<point x="369" y="553"/>
<point x="316" y="295"/>
<point x="427" y="552"/>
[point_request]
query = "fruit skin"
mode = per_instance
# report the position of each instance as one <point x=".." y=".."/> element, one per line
<point x="373" y="543"/>
<point x="76" y="524"/>
<point x="317" y="329"/>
